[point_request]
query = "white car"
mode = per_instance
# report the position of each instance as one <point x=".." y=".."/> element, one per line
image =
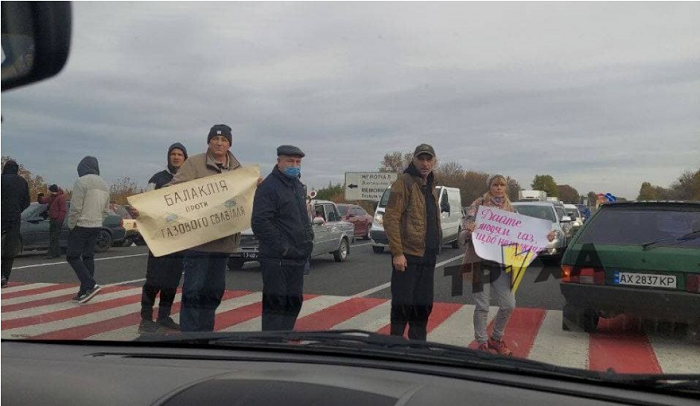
<point x="450" y="203"/>
<point x="576" y="217"/>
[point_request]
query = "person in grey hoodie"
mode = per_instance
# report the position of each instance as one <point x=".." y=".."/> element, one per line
<point x="89" y="202"/>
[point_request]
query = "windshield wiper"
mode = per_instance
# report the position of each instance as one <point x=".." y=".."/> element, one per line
<point x="685" y="237"/>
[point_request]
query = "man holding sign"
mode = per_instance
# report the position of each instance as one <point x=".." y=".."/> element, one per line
<point x="488" y="245"/>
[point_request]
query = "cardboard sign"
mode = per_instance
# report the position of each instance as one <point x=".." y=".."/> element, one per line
<point x="189" y="214"/>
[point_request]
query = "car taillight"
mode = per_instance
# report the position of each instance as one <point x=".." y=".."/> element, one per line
<point x="692" y="283"/>
<point x="588" y="276"/>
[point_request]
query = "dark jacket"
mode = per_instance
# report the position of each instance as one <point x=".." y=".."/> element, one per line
<point x="162" y="178"/>
<point x="57" y="205"/>
<point x="280" y="220"/>
<point x="405" y="219"/>
<point x="15" y="195"/>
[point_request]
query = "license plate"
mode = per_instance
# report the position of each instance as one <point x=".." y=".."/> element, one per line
<point x="250" y="255"/>
<point x="645" y="279"/>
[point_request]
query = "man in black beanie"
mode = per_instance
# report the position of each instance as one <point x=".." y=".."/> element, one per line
<point x="162" y="273"/>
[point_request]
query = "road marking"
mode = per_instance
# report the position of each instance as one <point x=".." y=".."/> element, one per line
<point x="552" y="338"/>
<point x="388" y="284"/>
<point x="64" y="262"/>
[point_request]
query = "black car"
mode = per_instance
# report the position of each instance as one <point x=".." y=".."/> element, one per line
<point x="34" y="231"/>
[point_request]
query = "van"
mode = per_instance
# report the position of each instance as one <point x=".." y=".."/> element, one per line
<point x="451" y="215"/>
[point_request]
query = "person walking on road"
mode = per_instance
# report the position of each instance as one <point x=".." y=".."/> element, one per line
<point x="489" y="279"/>
<point x="89" y="203"/>
<point x="162" y="273"/>
<point x="281" y="222"/>
<point x="57" y="214"/>
<point x="412" y="225"/>
<point x="15" y="199"/>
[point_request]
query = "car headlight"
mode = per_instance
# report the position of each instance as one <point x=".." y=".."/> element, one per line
<point x="379" y="219"/>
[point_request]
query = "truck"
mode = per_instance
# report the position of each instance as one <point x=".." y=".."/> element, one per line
<point x="532" y="195"/>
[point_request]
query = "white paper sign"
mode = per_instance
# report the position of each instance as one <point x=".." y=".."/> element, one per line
<point x="495" y="228"/>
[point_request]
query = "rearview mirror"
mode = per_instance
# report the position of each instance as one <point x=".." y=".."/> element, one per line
<point x="35" y="41"/>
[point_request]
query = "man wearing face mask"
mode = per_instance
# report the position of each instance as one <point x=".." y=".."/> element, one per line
<point x="281" y="223"/>
<point x="162" y="273"/>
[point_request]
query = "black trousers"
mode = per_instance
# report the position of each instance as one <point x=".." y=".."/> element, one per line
<point x="283" y="287"/>
<point x="412" y="296"/>
<point x="162" y="276"/>
<point x="54" y="235"/>
<point x="81" y="255"/>
<point x="10" y="248"/>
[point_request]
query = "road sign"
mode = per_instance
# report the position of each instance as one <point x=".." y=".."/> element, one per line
<point x="367" y="185"/>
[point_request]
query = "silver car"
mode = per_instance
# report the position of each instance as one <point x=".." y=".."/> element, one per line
<point x="331" y="236"/>
<point x="561" y="224"/>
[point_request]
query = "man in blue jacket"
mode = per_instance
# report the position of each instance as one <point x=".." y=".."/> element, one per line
<point x="282" y="224"/>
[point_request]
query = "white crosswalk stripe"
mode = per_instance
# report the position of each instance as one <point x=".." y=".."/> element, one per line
<point x="544" y="342"/>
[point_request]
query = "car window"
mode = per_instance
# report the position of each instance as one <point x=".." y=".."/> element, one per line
<point x="332" y="213"/>
<point x="585" y="103"/>
<point x="636" y="227"/>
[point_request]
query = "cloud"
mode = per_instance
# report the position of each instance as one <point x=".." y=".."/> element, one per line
<point x="603" y="96"/>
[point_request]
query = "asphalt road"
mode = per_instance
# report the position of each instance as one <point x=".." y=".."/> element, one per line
<point x="363" y="274"/>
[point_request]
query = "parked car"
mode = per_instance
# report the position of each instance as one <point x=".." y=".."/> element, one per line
<point x="34" y="230"/>
<point x="585" y="211"/>
<point x="451" y="210"/>
<point x="575" y="215"/>
<point x="635" y="258"/>
<point x="132" y="231"/>
<point x="548" y="211"/>
<point x="359" y="217"/>
<point x="332" y="235"/>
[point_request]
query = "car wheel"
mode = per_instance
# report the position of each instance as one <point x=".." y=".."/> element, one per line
<point x="126" y="243"/>
<point x="104" y="241"/>
<point x="377" y="250"/>
<point x="342" y="253"/>
<point x="235" y="263"/>
<point x="577" y="319"/>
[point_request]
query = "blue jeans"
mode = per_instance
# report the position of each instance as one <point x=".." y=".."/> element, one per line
<point x="81" y="255"/>
<point x="202" y="289"/>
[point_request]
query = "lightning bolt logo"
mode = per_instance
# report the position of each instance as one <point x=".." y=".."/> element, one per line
<point x="516" y="262"/>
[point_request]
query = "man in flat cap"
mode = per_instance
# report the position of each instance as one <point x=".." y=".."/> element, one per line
<point x="282" y="224"/>
<point x="412" y="224"/>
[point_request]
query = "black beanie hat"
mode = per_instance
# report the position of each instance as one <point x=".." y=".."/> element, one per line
<point x="220" y="129"/>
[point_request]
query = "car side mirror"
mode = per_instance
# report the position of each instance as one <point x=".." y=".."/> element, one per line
<point x="318" y="221"/>
<point x="566" y="219"/>
<point x="35" y="41"/>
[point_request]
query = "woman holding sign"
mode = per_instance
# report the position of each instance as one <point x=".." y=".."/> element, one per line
<point x="498" y="283"/>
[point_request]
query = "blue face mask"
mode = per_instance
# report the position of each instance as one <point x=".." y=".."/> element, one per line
<point x="292" y="172"/>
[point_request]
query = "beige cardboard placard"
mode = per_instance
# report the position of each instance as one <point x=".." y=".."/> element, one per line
<point x="189" y="214"/>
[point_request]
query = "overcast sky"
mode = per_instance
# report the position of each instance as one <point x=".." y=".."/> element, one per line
<point x="602" y="96"/>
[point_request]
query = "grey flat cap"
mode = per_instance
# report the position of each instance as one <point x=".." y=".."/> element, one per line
<point x="289" y="150"/>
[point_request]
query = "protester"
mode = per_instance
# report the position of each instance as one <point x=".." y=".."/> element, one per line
<point x="57" y="214"/>
<point x="281" y="223"/>
<point x="89" y="202"/>
<point x="488" y="277"/>
<point x="162" y="273"/>
<point x="15" y="199"/>
<point x="412" y="225"/>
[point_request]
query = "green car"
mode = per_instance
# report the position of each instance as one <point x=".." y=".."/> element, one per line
<point x="636" y="258"/>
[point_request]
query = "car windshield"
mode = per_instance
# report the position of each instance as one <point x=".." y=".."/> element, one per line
<point x="208" y="119"/>
<point x="637" y="227"/>
<point x="540" y="212"/>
